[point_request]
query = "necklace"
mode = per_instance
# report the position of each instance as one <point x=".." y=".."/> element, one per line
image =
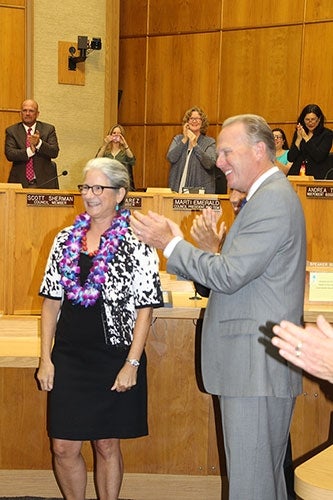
<point x="88" y="294"/>
<point x="85" y="247"/>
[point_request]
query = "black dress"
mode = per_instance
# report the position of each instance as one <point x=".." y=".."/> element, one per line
<point x="81" y="405"/>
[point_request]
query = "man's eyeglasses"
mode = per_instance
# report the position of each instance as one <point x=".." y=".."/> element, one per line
<point x="96" y="189"/>
<point x="276" y="137"/>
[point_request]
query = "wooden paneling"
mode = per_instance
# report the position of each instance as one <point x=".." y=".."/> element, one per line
<point x="311" y="428"/>
<point x="158" y="142"/>
<point x="178" y="419"/>
<point x="4" y="252"/>
<point x="133" y="15"/>
<point x="7" y="118"/>
<point x="111" y="48"/>
<point x="317" y="68"/>
<point x="132" y="76"/>
<point x="12" y="56"/>
<point x="319" y="236"/>
<point x="184" y="16"/>
<point x="264" y="13"/>
<point x="36" y="227"/>
<point x="135" y="137"/>
<point x="260" y="72"/>
<point x="24" y="443"/>
<point x="312" y="422"/>
<point x="17" y="3"/>
<point x="263" y="58"/>
<point x="13" y="69"/>
<point x="318" y="10"/>
<point x="174" y="83"/>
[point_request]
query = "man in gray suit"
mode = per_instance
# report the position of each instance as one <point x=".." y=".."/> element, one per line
<point x="35" y="141"/>
<point x="256" y="280"/>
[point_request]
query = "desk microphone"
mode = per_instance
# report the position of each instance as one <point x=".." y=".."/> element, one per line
<point x="64" y="172"/>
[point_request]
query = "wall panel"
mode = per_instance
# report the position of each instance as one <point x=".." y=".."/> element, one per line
<point x="318" y="10"/>
<point x="12" y="57"/>
<point x="133" y="15"/>
<point x="257" y="77"/>
<point x="132" y="75"/>
<point x="7" y="118"/>
<point x="135" y="136"/>
<point x="158" y="142"/>
<point x="262" y="58"/>
<point x="174" y="83"/>
<point x="317" y="67"/>
<point x="184" y="16"/>
<point x="264" y="13"/>
<point x="13" y="69"/>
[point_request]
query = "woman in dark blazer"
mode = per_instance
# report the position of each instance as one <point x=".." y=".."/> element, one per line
<point x="311" y="143"/>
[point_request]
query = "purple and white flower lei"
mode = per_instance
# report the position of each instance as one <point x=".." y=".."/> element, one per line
<point x="88" y="294"/>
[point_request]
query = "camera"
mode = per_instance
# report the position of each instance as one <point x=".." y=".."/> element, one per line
<point x="96" y="44"/>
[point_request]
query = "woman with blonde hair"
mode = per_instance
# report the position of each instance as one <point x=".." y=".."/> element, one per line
<point x="116" y="147"/>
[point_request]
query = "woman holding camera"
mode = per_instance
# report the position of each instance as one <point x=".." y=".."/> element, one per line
<point x="116" y="147"/>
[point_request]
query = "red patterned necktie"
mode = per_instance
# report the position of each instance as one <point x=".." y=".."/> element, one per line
<point x="29" y="166"/>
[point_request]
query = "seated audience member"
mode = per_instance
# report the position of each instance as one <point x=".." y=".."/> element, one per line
<point x="311" y="143"/>
<point x="282" y="148"/>
<point x="116" y="147"/>
<point x="309" y="348"/>
<point x="192" y="155"/>
<point x="31" y="145"/>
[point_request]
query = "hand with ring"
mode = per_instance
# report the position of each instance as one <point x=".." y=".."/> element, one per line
<point x="310" y="348"/>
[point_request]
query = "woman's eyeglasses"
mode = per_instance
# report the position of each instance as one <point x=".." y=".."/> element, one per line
<point x="96" y="188"/>
<point x="310" y="120"/>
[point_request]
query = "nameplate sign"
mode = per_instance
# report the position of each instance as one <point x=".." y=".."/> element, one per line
<point x="50" y="200"/>
<point x="133" y="202"/>
<point x="319" y="191"/>
<point x="196" y="204"/>
<point x="320" y="280"/>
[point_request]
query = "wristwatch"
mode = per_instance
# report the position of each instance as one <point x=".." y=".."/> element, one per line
<point x="133" y="362"/>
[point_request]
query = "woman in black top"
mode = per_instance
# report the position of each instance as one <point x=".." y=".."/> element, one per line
<point x="311" y="143"/>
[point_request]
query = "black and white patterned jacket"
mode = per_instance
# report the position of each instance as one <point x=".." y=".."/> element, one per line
<point x="132" y="282"/>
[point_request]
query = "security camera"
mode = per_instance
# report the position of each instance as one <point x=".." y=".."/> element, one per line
<point x="96" y="44"/>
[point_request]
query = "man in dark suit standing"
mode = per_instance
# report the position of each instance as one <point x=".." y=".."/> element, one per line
<point x="31" y="145"/>
<point x="255" y="280"/>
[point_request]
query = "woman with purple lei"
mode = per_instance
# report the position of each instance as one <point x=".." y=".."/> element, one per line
<point x="99" y="288"/>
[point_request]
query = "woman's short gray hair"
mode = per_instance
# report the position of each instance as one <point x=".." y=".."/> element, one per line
<point x="115" y="171"/>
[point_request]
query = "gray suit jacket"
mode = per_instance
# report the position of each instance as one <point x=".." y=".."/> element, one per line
<point x="15" y="150"/>
<point x="201" y="171"/>
<point x="257" y="281"/>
